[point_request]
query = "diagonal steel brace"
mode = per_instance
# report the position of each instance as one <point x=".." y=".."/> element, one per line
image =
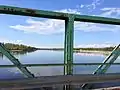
<point x="15" y="61"/>
<point x="103" y="68"/>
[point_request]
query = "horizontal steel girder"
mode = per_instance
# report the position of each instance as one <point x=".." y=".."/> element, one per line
<point x="56" y="15"/>
<point x="58" y="64"/>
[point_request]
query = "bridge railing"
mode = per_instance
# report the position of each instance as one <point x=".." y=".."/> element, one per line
<point x="69" y="32"/>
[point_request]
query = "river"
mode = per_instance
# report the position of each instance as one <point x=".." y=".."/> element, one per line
<point x="46" y="56"/>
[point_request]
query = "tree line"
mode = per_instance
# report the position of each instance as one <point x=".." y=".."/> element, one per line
<point x="21" y="47"/>
<point x="78" y="49"/>
<point x="96" y="49"/>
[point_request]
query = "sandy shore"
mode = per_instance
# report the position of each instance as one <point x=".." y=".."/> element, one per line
<point x="93" y="52"/>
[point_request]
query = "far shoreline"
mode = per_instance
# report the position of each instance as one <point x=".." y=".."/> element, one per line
<point x="95" y="52"/>
<point x="84" y="51"/>
<point x="75" y="51"/>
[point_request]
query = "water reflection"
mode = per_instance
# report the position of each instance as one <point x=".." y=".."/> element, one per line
<point x="1" y="55"/>
<point x="89" y="54"/>
<point x="45" y="57"/>
<point x="18" y="53"/>
<point x="93" y="53"/>
<point x="10" y="73"/>
<point x="21" y="52"/>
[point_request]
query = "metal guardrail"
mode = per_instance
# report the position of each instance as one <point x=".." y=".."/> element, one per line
<point x="50" y="81"/>
<point x="69" y="31"/>
<point x="102" y="69"/>
<point x="58" y="64"/>
<point x="56" y="15"/>
<point x="69" y="26"/>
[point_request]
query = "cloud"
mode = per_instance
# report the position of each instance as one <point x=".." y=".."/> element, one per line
<point x="53" y="26"/>
<point x="93" y="27"/>
<point x="106" y="44"/>
<point x="96" y="3"/>
<point x="92" y="5"/>
<point x="73" y="11"/>
<point x="110" y="12"/>
<point x="96" y="45"/>
<point x="47" y="26"/>
<point x="5" y="40"/>
<point x="81" y="6"/>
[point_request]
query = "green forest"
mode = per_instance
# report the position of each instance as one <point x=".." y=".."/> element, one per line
<point x="78" y="49"/>
<point x="17" y="47"/>
<point x="95" y="49"/>
<point x="20" y="47"/>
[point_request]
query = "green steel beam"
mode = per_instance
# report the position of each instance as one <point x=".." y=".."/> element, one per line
<point x="69" y="26"/>
<point x="15" y="61"/>
<point x="103" y="68"/>
<point x="33" y="65"/>
<point x="89" y="64"/>
<point x="68" y="48"/>
<point x="65" y="51"/>
<point x="56" y="15"/>
<point x="60" y="64"/>
<point x="111" y="60"/>
<point x="95" y="19"/>
<point x="31" y="12"/>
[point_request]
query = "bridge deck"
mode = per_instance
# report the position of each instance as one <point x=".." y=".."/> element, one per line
<point x="50" y="81"/>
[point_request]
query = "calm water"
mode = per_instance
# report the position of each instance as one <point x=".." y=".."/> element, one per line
<point x="45" y="57"/>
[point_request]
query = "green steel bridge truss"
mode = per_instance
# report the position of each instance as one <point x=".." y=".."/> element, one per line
<point x="68" y="41"/>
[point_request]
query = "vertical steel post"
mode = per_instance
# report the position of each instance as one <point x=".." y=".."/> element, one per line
<point x="68" y="48"/>
<point x="65" y="52"/>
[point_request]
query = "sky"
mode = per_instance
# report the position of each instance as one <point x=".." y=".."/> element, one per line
<point x="41" y="32"/>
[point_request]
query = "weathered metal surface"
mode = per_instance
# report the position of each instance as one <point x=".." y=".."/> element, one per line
<point x="103" y="68"/>
<point x="96" y="64"/>
<point x="56" y="15"/>
<point x="42" y="65"/>
<point x="68" y="54"/>
<point x="110" y="88"/>
<point x="31" y="12"/>
<point x="69" y="26"/>
<point x="15" y="61"/>
<point x="47" y="81"/>
<point x="65" y="50"/>
<point x="95" y="19"/>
